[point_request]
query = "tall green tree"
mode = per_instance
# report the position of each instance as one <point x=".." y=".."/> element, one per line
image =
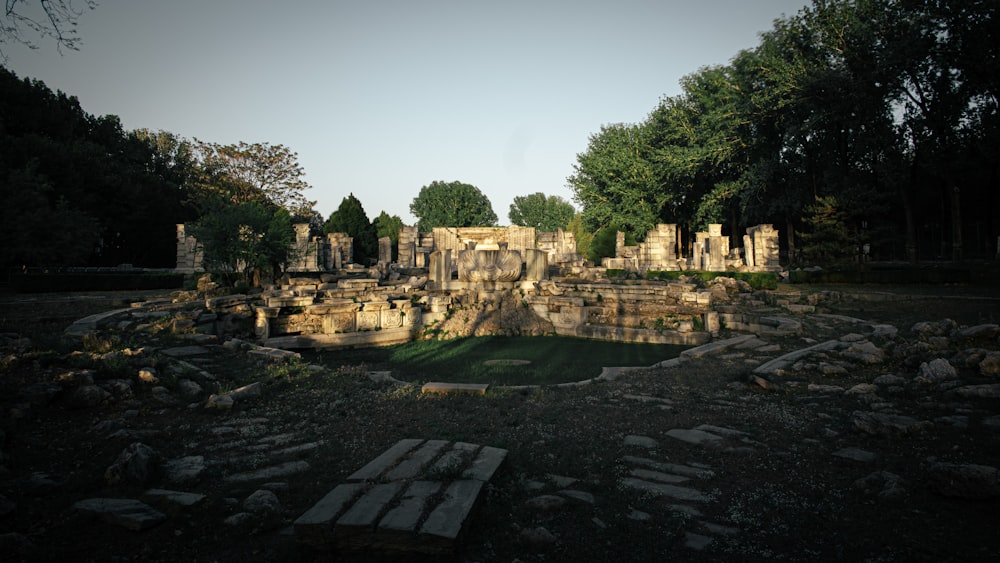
<point x="615" y="183"/>
<point x="350" y="218"/>
<point x="251" y="172"/>
<point x="452" y="204"/>
<point x="388" y="226"/>
<point x="244" y="240"/>
<point x="544" y="213"/>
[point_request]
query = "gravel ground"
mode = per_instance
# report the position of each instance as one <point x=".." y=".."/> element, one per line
<point x="783" y="478"/>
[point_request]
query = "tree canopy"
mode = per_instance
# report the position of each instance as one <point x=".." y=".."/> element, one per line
<point x="251" y="172"/>
<point x="879" y="116"/>
<point x="543" y="213"/>
<point x="78" y="189"/>
<point x="452" y="204"/>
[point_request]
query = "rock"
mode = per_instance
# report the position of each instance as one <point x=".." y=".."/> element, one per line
<point x="120" y="388"/>
<point x="864" y="352"/>
<point x="135" y="465"/>
<point x="988" y="391"/>
<point x="887" y="424"/>
<point x="889" y="380"/>
<point x="934" y="328"/>
<point x="935" y="371"/>
<point x="537" y="537"/>
<point x="862" y="389"/>
<point x="262" y="501"/>
<point x="149" y="375"/>
<point x="693" y="436"/>
<point x="830" y="370"/>
<point x="816" y="388"/>
<point x="545" y="503"/>
<point x="220" y="402"/>
<point x="889" y="485"/>
<point x="179" y="498"/>
<point x="965" y="480"/>
<point x="641" y="442"/>
<point x="884" y="331"/>
<point x="184" y="469"/>
<point x="127" y="513"/>
<point x="978" y="332"/>
<point x="86" y="396"/>
<point x="990" y="365"/>
<point x="856" y="454"/>
<point x="189" y="388"/>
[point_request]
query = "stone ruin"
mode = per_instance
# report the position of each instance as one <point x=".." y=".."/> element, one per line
<point x="332" y="302"/>
<point x="711" y="251"/>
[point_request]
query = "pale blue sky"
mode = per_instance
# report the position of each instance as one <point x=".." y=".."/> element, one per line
<point x="382" y="97"/>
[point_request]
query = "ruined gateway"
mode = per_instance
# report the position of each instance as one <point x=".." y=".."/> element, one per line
<point x="506" y="280"/>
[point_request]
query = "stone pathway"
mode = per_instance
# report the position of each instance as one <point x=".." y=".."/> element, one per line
<point x="415" y="497"/>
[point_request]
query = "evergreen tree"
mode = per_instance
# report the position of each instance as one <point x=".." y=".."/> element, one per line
<point x="350" y="218"/>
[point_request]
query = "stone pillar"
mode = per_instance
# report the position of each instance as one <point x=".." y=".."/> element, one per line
<point x="619" y="244"/>
<point x="699" y="249"/>
<point x="440" y="268"/>
<point x="717" y="249"/>
<point x="385" y="251"/>
<point x="407" y="246"/>
<point x="537" y="265"/>
<point x="748" y="251"/>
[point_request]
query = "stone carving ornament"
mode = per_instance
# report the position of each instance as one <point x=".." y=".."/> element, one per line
<point x="489" y="265"/>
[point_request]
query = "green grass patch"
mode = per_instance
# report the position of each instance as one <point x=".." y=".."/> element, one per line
<point x="552" y="359"/>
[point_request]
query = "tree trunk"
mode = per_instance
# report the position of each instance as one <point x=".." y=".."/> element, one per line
<point x="955" y="195"/>
<point x="791" y="242"/>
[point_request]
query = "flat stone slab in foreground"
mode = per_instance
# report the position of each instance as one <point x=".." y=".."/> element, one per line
<point x="417" y="496"/>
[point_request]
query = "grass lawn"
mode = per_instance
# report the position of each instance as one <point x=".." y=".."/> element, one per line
<point x="548" y="359"/>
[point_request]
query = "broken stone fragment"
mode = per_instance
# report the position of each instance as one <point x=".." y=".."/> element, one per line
<point x="884" y="424"/>
<point x="127" y="513"/>
<point x="935" y="371"/>
<point x="135" y="464"/>
<point x="86" y="396"/>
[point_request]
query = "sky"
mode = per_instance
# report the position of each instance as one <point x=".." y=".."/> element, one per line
<point x="382" y="97"/>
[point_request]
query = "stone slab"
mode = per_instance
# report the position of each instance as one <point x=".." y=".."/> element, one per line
<point x="666" y="490"/>
<point x="693" y="436"/>
<point x="440" y="387"/>
<point x="446" y="521"/>
<point x="416" y="460"/>
<point x="384" y="461"/>
<point x="127" y="513"/>
<point x="315" y="526"/>
<point x="180" y="498"/>
<point x="416" y="497"/>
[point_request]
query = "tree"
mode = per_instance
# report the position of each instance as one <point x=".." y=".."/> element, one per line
<point x="55" y="19"/>
<point x="251" y="172"/>
<point x="388" y="226"/>
<point x="452" y="204"/>
<point x="615" y="182"/>
<point x="545" y="214"/>
<point x="350" y="218"/>
<point x="241" y="239"/>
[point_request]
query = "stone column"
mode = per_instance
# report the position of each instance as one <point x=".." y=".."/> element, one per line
<point x="385" y="251"/>
<point x="748" y="250"/>
<point x="537" y="265"/>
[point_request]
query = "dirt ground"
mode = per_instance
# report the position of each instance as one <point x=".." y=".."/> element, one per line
<point x="775" y="489"/>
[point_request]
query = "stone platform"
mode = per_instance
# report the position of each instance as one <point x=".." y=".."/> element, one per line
<point x="415" y="497"/>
